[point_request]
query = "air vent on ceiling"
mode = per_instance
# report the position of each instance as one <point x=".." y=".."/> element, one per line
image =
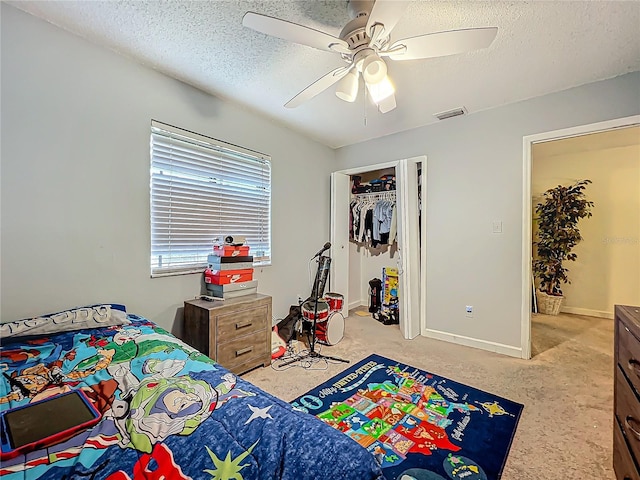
<point x="450" y="113"/>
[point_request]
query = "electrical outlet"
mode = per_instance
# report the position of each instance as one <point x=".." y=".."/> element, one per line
<point x="469" y="311"/>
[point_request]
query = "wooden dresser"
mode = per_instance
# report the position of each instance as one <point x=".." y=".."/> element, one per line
<point x="236" y="333"/>
<point x="626" y="421"/>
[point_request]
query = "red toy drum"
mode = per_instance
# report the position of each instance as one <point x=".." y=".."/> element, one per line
<point x="308" y="308"/>
<point x="335" y="301"/>
<point x="331" y="331"/>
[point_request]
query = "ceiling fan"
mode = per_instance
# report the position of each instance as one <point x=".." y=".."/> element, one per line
<point x="363" y="43"/>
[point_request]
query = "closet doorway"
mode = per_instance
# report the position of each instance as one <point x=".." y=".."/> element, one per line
<point x="410" y="257"/>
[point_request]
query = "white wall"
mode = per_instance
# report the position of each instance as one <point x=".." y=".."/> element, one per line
<point x="474" y="178"/>
<point x="75" y="178"/>
<point x="356" y="297"/>
<point x="607" y="270"/>
<point x="366" y="263"/>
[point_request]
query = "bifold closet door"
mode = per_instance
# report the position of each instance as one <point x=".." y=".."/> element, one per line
<point x="340" y="188"/>
<point x="409" y="246"/>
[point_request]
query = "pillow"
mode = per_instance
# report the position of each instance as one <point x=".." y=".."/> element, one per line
<point x="94" y="316"/>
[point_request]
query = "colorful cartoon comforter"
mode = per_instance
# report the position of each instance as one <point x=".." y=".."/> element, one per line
<point x="168" y="412"/>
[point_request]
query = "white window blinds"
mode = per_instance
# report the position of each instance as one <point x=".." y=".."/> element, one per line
<point x="201" y="190"/>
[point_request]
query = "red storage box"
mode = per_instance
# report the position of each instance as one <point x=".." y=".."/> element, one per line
<point x="231" y="250"/>
<point x="224" y="277"/>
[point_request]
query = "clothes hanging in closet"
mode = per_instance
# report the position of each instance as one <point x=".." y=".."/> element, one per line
<point x="373" y="220"/>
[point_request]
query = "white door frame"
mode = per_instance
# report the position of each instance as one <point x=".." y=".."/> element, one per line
<point x="413" y="291"/>
<point x="423" y="248"/>
<point x="527" y="219"/>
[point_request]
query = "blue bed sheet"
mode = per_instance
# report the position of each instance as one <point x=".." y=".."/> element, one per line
<point x="168" y="412"/>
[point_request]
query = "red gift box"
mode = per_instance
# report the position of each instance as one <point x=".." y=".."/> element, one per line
<point x="223" y="277"/>
<point x="231" y="250"/>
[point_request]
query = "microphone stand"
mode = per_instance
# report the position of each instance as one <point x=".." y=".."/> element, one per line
<point x="318" y="289"/>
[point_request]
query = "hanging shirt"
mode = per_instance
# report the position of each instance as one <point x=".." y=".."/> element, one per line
<point x="386" y="211"/>
<point x="394" y="223"/>
<point x="382" y="215"/>
<point x="354" y="219"/>
<point x="368" y="225"/>
<point x="377" y="214"/>
<point x="364" y="208"/>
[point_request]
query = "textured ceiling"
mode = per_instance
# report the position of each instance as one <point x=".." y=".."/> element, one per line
<point x="541" y="47"/>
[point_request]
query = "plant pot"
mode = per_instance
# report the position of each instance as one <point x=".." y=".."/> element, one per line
<point x="548" y="304"/>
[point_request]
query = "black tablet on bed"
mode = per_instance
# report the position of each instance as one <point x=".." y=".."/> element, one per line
<point x="45" y="422"/>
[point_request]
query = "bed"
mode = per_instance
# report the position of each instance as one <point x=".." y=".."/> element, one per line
<point x="168" y="411"/>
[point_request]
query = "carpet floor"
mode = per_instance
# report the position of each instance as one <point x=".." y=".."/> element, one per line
<point x="565" y="431"/>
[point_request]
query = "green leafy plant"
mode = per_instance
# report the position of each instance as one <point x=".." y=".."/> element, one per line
<point x="558" y="216"/>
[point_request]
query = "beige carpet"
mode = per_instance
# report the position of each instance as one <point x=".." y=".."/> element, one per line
<point x="565" y="431"/>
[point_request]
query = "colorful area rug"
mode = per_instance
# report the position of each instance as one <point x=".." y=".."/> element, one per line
<point x="418" y="425"/>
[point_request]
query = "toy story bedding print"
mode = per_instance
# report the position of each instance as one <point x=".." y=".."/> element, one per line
<point x="168" y="411"/>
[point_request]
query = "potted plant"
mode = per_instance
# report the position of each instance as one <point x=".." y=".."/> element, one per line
<point x="557" y="217"/>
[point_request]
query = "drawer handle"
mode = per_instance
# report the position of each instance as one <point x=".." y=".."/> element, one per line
<point x="248" y="349"/>
<point x="634" y="366"/>
<point x="627" y="423"/>
<point x="243" y="325"/>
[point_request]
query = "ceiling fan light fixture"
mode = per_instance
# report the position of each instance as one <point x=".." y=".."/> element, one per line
<point x="374" y="70"/>
<point x="387" y="104"/>
<point x="381" y="90"/>
<point x="347" y="88"/>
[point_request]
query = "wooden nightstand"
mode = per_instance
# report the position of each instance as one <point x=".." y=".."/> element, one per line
<point x="626" y="423"/>
<point x="236" y="333"/>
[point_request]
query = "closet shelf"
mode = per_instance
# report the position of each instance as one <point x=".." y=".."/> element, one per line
<point x="384" y="195"/>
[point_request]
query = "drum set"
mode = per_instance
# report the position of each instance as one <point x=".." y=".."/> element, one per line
<point x="322" y="318"/>
<point x="329" y="320"/>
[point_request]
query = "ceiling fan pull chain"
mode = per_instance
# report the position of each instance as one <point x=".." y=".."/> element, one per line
<point x="364" y="104"/>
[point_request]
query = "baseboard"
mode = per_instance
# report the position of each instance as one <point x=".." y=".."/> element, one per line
<point x="356" y="304"/>
<point x="587" y="312"/>
<point x="474" y="342"/>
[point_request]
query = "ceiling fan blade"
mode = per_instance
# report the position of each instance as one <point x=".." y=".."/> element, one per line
<point x="318" y="86"/>
<point x="441" y="44"/>
<point x="387" y="13"/>
<point x="294" y="32"/>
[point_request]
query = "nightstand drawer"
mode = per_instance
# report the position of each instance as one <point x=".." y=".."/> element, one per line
<point x="242" y="349"/>
<point x="623" y="464"/>
<point x="627" y="411"/>
<point x="231" y="325"/>
<point x="630" y="363"/>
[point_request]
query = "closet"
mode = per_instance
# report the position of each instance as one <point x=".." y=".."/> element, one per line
<point x="373" y="246"/>
<point x="355" y="263"/>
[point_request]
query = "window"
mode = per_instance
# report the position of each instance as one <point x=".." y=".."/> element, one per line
<point x="202" y="190"/>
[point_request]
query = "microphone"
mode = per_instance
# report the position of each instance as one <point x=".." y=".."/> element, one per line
<point x="326" y="246"/>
